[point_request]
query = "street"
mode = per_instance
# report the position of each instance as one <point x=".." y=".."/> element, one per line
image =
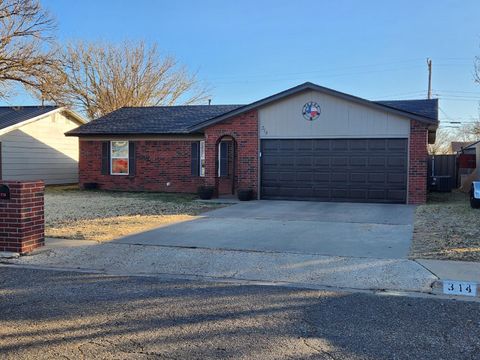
<point x="58" y="314"/>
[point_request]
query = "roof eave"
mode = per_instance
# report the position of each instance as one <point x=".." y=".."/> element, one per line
<point x="73" y="133"/>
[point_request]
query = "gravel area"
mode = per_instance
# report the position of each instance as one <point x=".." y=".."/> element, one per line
<point x="447" y="228"/>
<point x="101" y="215"/>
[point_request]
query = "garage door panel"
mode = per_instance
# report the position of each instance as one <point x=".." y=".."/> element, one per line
<point x="321" y="145"/>
<point x="339" y="145"/>
<point x="356" y="178"/>
<point x="377" y="161"/>
<point x="339" y="161"/>
<point x="304" y="177"/>
<point x="358" y="145"/>
<point x="398" y="195"/>
<point x="377" y="144"/>
<point x="321" y="161"/>
<point x="397" y="144"/>
<point x="339" y="177"/>
<point x="321" y="177"/>
<point x="377" y="194"/>
<point x="367" y="170"/>
<point x="359" y="194"/>
<point x="396" y="161"/>
<point x="376" y="178"/>
<point x="285" y="145"/>
<point x="358" y="161"/>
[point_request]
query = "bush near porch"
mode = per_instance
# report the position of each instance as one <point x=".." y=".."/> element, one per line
<point x="97" y="215"/>
<point x="447" y="228"/>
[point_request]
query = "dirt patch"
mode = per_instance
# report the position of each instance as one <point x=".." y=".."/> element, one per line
<point x="447" y="228"/>
<point x="102" y="216"/>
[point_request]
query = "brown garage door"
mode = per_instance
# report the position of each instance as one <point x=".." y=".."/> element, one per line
<point x="357" y="170"/>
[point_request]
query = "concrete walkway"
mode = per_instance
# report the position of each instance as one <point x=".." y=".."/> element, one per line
<point x="453" y="270"/>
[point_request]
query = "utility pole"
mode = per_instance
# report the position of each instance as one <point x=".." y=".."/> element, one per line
<point x="429" y="64"/>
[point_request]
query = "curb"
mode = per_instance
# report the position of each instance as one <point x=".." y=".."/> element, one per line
<point x="9" y="255"/>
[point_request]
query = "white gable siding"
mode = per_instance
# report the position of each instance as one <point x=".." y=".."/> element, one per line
<point x="339" y="119"/>
<point x="40" y="150"/>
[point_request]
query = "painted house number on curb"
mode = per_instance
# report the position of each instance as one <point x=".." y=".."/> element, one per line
<point x="464" y="288"/>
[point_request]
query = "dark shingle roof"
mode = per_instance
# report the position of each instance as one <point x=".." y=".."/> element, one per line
<point x="152" y="120"/>
<point x="13" y="115"/>
<point x="193" y="118"/>
<point x="424" y="107"/>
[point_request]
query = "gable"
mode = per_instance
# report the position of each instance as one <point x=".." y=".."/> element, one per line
<point x="339" y="118"/>
<point x="10" y="122"/>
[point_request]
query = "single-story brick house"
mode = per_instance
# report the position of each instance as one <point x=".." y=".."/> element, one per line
<point x="307" y="142"/>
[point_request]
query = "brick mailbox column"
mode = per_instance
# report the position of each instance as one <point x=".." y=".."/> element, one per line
<point x="22" y="223"/>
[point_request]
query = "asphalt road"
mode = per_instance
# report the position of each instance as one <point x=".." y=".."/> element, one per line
<point x="53" y="314"/>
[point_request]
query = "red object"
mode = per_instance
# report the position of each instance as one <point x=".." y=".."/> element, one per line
<point x="22" y="223"/>
<point x="467" y="161"/>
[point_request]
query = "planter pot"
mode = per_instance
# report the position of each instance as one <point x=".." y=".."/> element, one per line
<point x="90" y="186"/>
<point x="205" y="192"/>
<point x="245" y="194"/>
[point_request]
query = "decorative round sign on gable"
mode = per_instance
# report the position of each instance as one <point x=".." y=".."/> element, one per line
<point x="311" y="111"/>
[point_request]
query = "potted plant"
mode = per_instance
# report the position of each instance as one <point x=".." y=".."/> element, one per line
<point x="205" y="192"/>
<point x="90" y="186"/>
<point x="245" y="194"/>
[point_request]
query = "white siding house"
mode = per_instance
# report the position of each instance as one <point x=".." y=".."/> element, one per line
<point x="33" y="145"/>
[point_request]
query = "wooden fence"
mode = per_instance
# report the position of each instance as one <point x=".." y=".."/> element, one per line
<point x="442" y="172"/>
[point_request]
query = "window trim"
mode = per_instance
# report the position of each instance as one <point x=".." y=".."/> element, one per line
<point x="117" y="157"/>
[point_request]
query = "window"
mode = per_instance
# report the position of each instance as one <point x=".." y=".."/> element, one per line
<point x="119" y="157"/>
<point x="223" y="152"/>
<point x="202" y="158"/>
<point x="198" y="158"/>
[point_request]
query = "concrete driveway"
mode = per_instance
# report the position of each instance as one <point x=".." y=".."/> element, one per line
<point x="337" y="229"/>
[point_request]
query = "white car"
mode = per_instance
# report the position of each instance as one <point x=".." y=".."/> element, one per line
<point x="475" y="195"/>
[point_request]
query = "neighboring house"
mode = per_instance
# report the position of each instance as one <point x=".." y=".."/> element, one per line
<point x="466" y="160"/>
<point x="457" y="146"/>
<point x="467" y="148"/>
<point x="307" y="143"/>
<point x="33" y="145"/>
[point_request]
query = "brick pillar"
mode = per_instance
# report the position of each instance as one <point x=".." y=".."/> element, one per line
<point x="22" y="223"/>
<point x="417" y="172"/>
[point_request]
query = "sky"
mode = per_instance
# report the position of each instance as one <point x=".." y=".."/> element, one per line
<point x="249" y="49"/>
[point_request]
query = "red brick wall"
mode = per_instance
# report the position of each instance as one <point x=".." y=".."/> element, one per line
<point x="244" y="129"/>
<point x="417" y="176"/>
<point x="157" y="163"/>
<point x="22" y="223"/>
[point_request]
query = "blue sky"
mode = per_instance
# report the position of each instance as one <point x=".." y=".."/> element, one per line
<point x="246" y="50"/>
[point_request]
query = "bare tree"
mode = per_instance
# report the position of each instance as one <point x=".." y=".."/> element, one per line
<point x="443" y="140"/>
<point x="25" y="33"/>
<point x="100" y="78"/>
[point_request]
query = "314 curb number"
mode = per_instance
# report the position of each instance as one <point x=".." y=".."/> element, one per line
<point x="464" y="288"/>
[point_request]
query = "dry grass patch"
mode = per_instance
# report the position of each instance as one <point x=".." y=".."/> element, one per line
<point x="447" y="228"/>
<point x="107" y="229"/>
<point x="102" y="216"/>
